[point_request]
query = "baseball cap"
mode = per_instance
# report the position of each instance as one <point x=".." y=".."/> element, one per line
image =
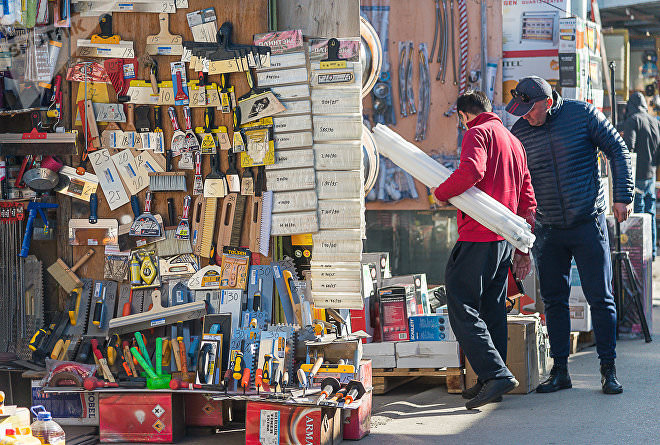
<point x="528" y="91"/>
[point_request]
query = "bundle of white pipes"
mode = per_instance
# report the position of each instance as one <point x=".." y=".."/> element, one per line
<point x="483" y="208"/>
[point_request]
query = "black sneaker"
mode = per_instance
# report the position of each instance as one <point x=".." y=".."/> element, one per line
<point x="472" y="392"/>
<point x="558" y="379"/>
<point x="492" y="390"/>
<point x="608" y="379"/>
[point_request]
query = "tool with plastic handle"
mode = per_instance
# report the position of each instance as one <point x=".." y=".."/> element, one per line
<point x="245" y="380"/>
<point x="107" y="374"/>
<point x="258" y="380"/>
<point x="113" y="349"/>
<point x="99" y="305"/>
<point x="178" y="141"/>
<point x="198" y="183"/>
<point x="93" y="208"/>
<point x="329" y="386"/>
<point x="338" y="397"/>
<point x="158" y="357"/>
<point x="34" y="208"/>
<point x="183" y="229"/>
<point x="143" y="348"/>
<point x="267" y="368"/>
<point x="128" y="358"/>
<point x="191" y="143"/>
<point x="355" y="390"/>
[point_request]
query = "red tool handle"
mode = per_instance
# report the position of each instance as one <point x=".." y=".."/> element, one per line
<point x="188" y="115"/>
<point x="147" y="202"/>
<point x="27" y="159"/>
<point x="175" y="124"/>
<point x="258" y="378"/>
<point x="181" y="94"/>
<point x="186" y="206"/>
<point x="95" y="345"/>
<point x="245" y="381"/>
<point x="198" y="163"/>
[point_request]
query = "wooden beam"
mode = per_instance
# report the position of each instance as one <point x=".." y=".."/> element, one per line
<point x="320" y="18"/>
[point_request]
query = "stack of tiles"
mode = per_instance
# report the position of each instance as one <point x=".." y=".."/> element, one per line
<point x="292" y="178"/>
<point x="337" y="133"/>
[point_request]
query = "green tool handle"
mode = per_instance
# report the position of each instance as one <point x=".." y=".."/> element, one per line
<point x="147" y="368"/>
<point x="143" y="349"/>
<point x="159" y="356"/>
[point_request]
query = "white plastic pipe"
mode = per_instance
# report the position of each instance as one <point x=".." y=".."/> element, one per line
<point x="486" y="210"/>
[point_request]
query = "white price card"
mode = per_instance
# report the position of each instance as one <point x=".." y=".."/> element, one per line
<point x="109" y="179"/>
<point x="134" y="179"/>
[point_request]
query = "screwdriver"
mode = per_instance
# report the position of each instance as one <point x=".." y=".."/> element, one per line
<point x="245" y="381"/>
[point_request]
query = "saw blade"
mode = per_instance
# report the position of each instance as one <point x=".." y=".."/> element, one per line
<point x="287" y="263"/>
<point x="83" y="312"/>
<point x="33" y="294"/>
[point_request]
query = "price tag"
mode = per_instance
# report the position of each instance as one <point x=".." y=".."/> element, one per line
<point x="146" y="164"/>
<point x="134" y="178"/>
<point x="166" y="93"/>
<point x="221" y="138"/>
<point x="109" y="179"/>
<point x="140" y="92"/>
<point x="197" y="94"/>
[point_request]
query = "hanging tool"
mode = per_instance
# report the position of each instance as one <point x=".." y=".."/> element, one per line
<point x="442" y="54"/>
<point x="164" y="43"/>
<point x="403" y="91"/>
<point x="258" y="380"/>
<point x="145" y="224"/>
<point x="34" y="207"/>
<point x="453" y="44"/>
<point x="198" y="182"/>
<point x="463" y="51"/>
<point x="178" y="143"/>
<point x="424" y="94"/>
<point x="302" y="379"/>
<point x="315" y="369"/>
<point x="437" y="28"/>
<point x="410" y="95"/>
<point x="215" y="183"/>
<point x="190" y="143"/>
<point x="99" y="305"/>
<point x="245" y="380"/>
<point x="183" y="228"/>
<point x="66" y="276"/>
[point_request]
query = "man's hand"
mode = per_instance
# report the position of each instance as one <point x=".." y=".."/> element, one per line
<point x="437" y="201"/>
<point x="521" y="265"/>
<point x="622" y="211"/>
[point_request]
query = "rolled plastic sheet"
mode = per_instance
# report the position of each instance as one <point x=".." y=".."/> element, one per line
<point x="486" y="210"/>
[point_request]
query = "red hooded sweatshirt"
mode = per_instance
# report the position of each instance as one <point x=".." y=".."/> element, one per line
<point x="493" y="160"/>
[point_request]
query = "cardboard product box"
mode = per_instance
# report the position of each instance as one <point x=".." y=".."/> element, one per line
<point x="522" y="354"/>
<point x="574" y="71"/>
<point x="577" y="301"/>
<point x="361" y="318"/>
<point x="432" y="327"/>
<point x="393" y="302"/>
<point x="572" y="32"/>
<point x="382" y="355"/>
<point x="201" y="410"/>
<point x="532" y="27"/>
<point x="268" y="423"/>
<point x="141" y="417"/>
<point x="69" y="408"/>
<point x="382" y="260"/>
<point x="636" y="239"/>
<point x="357" y="422"/>
<point x="421" y="303"/>
<point x="428" y="354"/>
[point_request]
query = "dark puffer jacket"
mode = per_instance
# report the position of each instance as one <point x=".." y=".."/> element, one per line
<point x="562" y="159"/>
<point x="641" y="132"/>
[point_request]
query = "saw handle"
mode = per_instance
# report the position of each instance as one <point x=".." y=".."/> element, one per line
<point x="147" y="202"/>
<point x="186" y="206"/>
<point x="172" y="113"/>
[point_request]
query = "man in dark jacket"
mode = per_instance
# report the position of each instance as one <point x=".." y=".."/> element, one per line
<point x="641" y="132"/>
<point x="562" y="138"/>
<point x="477" y="271"/>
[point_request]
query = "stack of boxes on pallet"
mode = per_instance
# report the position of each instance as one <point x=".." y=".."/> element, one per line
<point x="336" y="88"/>
<point x="292" y="177"/>
<point x="405" y="333"/>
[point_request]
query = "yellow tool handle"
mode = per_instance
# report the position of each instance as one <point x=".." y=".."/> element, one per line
<point x="57" y="350"/>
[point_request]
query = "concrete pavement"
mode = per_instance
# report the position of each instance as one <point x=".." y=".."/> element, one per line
<point x="582" y="415"/>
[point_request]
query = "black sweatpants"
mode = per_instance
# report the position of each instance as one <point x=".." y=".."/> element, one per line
<point x="476" y="282"/>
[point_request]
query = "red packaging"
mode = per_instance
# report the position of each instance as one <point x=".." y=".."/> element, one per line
<point x="394" y="312"/>
<point x="203" y="411"/>
<point x="275" y="423"/>
<point x="141" y="417"/>
<point x="357" y="422"/>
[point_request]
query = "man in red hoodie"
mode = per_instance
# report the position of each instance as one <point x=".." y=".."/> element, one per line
<point x="493" y="160"/>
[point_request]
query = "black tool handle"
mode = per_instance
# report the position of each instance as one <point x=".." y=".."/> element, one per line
<point x="135" y="205"/>
<point x="105" y="22"/>
<point x="333" y="49"/>
<point x="93" y="208"/>
<point x="168" y="161"/>
<point x="170" y="211"/>
<point x="209" y="118"/>
<point x="158" y="121"/>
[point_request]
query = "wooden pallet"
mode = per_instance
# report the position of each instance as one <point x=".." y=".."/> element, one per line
<point x="386" y="379"/>
<point x="581" y="340"/>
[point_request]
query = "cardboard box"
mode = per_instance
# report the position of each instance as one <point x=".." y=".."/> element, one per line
<point x="382" y="355"/>
<point x="571" y="34"/>
<point x="357" y="422"/>
<point x="268" y="423"/>
<point x="201" y="410"/>
<point x="141" y="417"/>
<point x="577" y="302"/>
<point x="68" y="408"/>
<point x="428" y="354"/>
<point x="421" y="303"/>
<point x="382" y="260"/>
<point x="522" y="354"/>
<point x="532" y="27"/>
<point x="432" y="327"/>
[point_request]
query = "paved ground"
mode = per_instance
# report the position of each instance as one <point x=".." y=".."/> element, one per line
<point x="582" y="415"/>
<point x="417" y="413"/>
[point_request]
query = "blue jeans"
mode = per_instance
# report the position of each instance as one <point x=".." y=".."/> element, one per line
<point x="553" y="250"/>
<point x="645" y="203"/>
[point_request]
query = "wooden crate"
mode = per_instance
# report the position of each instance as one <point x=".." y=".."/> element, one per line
<point x="386" y="379"/>
<point x="581" y="340"/>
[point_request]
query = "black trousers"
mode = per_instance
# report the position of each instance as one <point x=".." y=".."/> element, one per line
<point x="476" y="282"/>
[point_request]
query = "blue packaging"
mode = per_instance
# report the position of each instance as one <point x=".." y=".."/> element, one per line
<point x="431" y="327"/>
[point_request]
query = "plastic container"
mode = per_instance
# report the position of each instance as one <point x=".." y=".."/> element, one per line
<point x="45" y="428"/>
<point x="21" y="436"/>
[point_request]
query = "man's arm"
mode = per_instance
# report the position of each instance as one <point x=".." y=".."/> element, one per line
<point x="470" y="170"/>
<point x="605" y="137"/>
<point x="527" y="209"/>
<point x="630" y="133"/>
